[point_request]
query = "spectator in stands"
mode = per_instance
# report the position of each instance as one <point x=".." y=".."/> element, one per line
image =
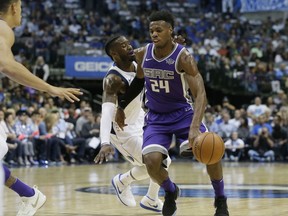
<point x="46" y="135"/>
<point x="257" y="109"/>
<point x="10" y="155"/>
<point x="283" y="112"/>
<point x="12" y="138"/>
<point x="280" y="99"/>
<point x="24" y="131"/>
<point x="71" y="116"/>
<point x="259" y="125"/>
<point x="85" y="112"/>
<point x="228" y="106"/>
<point x="225" y="127"/>
<point x="244" y="130"/>
<point x="262" y="147"/>
<point x="210" y="122"/>
<point x="91" y="128"/>
<point x="271" y="105"/>
<point x="41" y="69"/>
<point x="72" y="148"/>
<point x="236" y="121"/>
<point x="91" y="132"/>
<point x="234" y="147"/>
<point x="280" y="138"/>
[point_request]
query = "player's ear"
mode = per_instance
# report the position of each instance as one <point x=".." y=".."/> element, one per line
<point x="113" y="53"/>
<point x="13" y="8"/>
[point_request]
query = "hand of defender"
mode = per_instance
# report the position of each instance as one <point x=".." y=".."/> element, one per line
<point x="103" y="154"/>
<point x="120" y="118"/>
<point x="69" y="94"/>
<point x="179" y="39"/>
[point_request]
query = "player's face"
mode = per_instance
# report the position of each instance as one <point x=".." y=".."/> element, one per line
<point x="160" y="33"/>
<point x="17" y="10"/>
<point x="124" y="49"/>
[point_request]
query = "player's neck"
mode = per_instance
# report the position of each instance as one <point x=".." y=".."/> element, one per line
<point x="162" y="52"/>
<point x="5" y="19"/>
<point x="127" y="67"/>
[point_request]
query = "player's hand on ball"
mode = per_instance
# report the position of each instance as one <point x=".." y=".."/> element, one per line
<point x="120" y="118"/>
<point x="193" y="134"/>
<point x="103" y="154"/>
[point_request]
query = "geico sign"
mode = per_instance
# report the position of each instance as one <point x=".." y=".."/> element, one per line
<point x="92" y="66"/>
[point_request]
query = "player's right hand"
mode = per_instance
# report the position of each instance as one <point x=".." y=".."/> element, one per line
<point x="103" y="154"/>
<point x="120" y="118"/>
<point x="69" y="94"/>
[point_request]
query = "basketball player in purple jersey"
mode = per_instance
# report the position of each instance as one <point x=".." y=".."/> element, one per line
<point x="170" y="70"/>
<point x="129" y="141"/>
<point x="10" y="17"/>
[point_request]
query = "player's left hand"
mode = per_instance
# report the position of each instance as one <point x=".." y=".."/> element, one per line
<point x="193" y="134"/>
<point x="103" y="154"/>
<point x="69" y="94"/>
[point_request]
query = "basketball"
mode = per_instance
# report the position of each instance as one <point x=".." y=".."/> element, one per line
<point x="208" y="148"/>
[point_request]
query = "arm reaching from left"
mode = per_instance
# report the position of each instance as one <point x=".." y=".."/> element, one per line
<point x="18" y="73"/>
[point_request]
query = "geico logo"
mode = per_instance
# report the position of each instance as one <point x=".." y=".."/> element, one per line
<point x="92" y="66"/>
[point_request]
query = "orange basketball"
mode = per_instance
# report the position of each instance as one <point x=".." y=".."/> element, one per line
<point x="208" y="148"/>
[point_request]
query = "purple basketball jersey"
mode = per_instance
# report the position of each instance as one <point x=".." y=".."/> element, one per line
<point x="166" y="88"/>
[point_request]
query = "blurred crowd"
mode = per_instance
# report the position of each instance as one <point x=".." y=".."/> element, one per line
<point x="232" y="51"/>
<point x="47" y="131"/>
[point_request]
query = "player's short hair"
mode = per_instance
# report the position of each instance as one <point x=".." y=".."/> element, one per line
<point x="4" y="5"/>
<point x="109" y="43"/>
<point x="162" y="15"/>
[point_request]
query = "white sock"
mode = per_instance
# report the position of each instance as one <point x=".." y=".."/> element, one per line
<point x="135" y="174"/>
<point x="153" y="190"/>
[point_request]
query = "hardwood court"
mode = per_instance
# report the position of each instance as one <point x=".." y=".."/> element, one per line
<point x="254" y="189"/>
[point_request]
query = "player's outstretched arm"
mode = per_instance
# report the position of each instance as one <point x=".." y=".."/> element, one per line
<point x="112" y="86"/>
<point x="18" y="73"/>
<point x="194" y="79"/>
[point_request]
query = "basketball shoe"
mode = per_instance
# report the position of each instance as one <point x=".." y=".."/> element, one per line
<point x="30" y="205"/>
<point x="221" y="206"/>
<point x="169" y="207"/>
<point x="151" y="204"/>
<point x="123" y="192"/>
<point x="185" y="150"/>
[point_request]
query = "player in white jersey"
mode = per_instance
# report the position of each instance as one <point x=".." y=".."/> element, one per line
<point x="3" y="151"/>
<point x="10" y="17"/>
<point x="129" y="141"/>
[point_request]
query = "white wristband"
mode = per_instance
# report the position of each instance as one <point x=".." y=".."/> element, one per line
<point x="108" y="110"/>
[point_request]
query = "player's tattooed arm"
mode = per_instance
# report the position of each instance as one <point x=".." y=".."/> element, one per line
<point x="113" y="85"/>
<point x="194" y="79"/>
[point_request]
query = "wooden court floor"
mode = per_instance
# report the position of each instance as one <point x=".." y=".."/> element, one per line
<point x="254" y="189"/>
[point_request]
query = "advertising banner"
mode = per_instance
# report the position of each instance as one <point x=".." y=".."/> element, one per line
<point x="87" y="67"/>
<point x="262" y="5"/>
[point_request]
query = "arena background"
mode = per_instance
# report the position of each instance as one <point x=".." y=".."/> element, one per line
<point x="71" y="34"/>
